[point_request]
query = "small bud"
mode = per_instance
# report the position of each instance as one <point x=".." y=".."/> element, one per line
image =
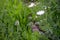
<point x="36" y="16"/>
<point x="16" y="22"/>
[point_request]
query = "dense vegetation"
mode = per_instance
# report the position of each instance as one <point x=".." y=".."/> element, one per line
<point x="15" y="23"/>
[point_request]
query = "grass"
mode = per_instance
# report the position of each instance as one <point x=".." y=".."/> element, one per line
<point x="12" y="10"/>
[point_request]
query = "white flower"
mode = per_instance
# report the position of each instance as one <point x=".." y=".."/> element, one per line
<point x="32" y="5"/>
<point x="40" y="12"/>
<point x="16" y="22"/>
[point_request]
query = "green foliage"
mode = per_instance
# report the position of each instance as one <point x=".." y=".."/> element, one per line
<point x="16" y="10"/>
